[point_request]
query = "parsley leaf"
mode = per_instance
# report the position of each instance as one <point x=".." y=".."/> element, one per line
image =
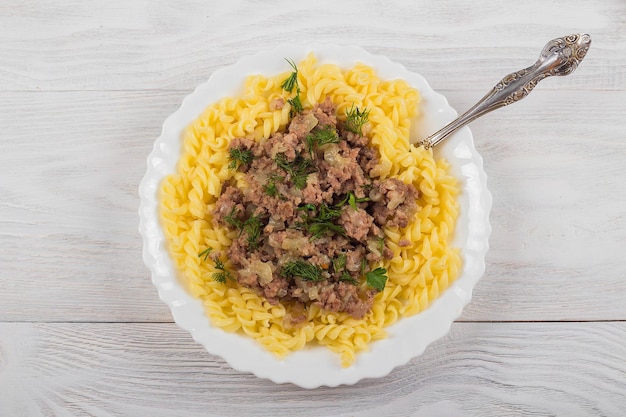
<point x="352" y="200"/>
<point x="377" y="278"/>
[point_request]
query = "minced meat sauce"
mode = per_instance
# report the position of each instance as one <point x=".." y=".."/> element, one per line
<point x="310" y="217"/>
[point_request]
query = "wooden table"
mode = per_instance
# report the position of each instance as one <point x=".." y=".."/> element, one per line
<point x="84" y="89"/>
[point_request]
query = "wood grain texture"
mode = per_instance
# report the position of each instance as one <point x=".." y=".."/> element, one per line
<point x="69" y="225"/>
<point x="78" y="45"/>
<point x="532" y="369"/>
<point x="84" y="89"/>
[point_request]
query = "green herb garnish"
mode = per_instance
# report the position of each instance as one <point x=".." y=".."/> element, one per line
<point x="322" y="222"/>
<point x="381" y="244"/>
<point x="205" y="253"/>
<point x="296" y="105"/>
<point x="233" y="220"/>
<point x="346" y="277"/>
<point x="289" y="84"/>
<point x="320" y="137"/>
<point x="223" y="275"/>
<point x="252" y="227"/>
<point x="298" y="170"/>
<point x="270" y="187"/>
<point x="292" y="81"/>
<point x="318" y="229"/>
<point x="308" y="206"/>
<point x="377" y="278"/>
<point x="239" y="157"/>
<point x="356" y="118"/>
<point x="305" y="270"/>
<point x="339" y="263"/>
<point x="328" y="213"/>
<point x="352" y="200"/>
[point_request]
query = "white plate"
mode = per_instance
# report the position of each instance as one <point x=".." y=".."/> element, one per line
<point x="317" y="366"/>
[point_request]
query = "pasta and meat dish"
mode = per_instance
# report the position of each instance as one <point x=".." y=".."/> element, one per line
<point x="300" y="212"/>
<point x="310" y="216"/>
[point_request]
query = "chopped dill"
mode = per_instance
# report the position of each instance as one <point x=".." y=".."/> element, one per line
<point x="322" y="221"/>
<point x="223" y="275"/>
<point x="325" y="135"/>
<point x="367" y="187"/>
<point x="239" y="157"/>
<point x="296" y="105"/>
<point x="327" y="213"/>
<point x="356" y="118"/>
<point x="346" y="277"/>
<point x="270" y="186"/>
<point x="292" y="81"/>
<point x="289" y="84"/>
<point x="339" y="263"/>
<point x="318" y="229"/>
<point x="205" y="253"/>
<point x="308" y="206"/>
<point x="270" y="189"/>
<point x="298" y="170"/>
<point x="253" y="227"/>
<point x="233" y="220"/>
<point x="305" y="270"/>
<point x="381" y="244"/>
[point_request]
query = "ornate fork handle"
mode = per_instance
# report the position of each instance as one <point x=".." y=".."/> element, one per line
<point x="559" y="57"/>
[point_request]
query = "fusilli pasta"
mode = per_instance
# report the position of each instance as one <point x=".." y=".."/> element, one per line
<point x="423" y="264"/>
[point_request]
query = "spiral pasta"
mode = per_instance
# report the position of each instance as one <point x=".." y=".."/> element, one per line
<point x="423" y="264"/>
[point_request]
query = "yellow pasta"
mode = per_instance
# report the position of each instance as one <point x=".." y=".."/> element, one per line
<point x="423" y="265"/>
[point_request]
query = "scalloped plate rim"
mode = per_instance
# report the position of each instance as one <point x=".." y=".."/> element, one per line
<point x="236" y="349"/>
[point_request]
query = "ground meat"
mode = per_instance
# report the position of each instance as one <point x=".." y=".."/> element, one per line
<point x="230" y="202"/>
<point x="340" y="171"/>
<point x="325" y="113"/>
<point x="356" y="222"/>
<point x="277" y="104"/>
<point x="367" y="159"/>
<point x="302" y="124"/>
<point x="310" y="217"/>
<point x="287" y="144"/>
<point x="395" y="202"/>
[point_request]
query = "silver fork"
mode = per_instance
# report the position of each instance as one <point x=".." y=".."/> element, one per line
<point x="560" y="56"/>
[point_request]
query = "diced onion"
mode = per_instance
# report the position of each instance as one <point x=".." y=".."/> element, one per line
<point x="260" y="268"/>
